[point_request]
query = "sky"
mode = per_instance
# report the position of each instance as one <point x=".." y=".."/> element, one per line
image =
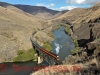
<point x="56" y="4"/>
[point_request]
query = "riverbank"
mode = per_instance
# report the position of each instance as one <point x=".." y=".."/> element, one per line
<point x="88" y="47"/>
<point x="23" y="56"/>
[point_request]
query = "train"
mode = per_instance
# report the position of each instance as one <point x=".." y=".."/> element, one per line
<point x="47" y="52"/>
<point x="35" y="45"/>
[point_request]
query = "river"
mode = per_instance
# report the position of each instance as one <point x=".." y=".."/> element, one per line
<point x="61" y="46"/>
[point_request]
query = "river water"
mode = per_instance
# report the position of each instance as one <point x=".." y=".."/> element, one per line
<point x="9" y="69"/>
<point x="61" y="46"/>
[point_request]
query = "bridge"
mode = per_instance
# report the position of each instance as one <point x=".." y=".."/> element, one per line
<point x="43" y="54"/>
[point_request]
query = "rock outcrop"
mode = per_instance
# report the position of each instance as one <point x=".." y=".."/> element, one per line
<point x="95" y="32"/>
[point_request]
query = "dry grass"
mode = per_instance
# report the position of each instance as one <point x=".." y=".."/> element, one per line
<point x="72" y="15"/>
<point x="81" y="15"/>
<point x="20" y="25"/>
<point x="15" y="31"/>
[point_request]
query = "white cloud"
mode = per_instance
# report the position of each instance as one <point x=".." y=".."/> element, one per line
<point x="40" y="5"/>
<point x="67" y="7"/>
<point x="52" y="4"/>
<point x="49" y="5"/>
<point x="82" y="1"/>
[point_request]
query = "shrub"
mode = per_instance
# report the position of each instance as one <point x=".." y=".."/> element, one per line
<point x="19" y="52"/>
<point x="25" y="55"/>
<point x="75" y="51"/>
<point x="36" y="37"/>
<point x="47" y="46"/>
<point x="76" y="43"/>
<point x="67" y="30"/>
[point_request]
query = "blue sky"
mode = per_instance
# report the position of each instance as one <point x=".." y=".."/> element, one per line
<point x="56" y="4"/>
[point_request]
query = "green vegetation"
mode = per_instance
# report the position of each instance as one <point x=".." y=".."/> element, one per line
<point x="76" y="43"/>
<point x="67" y="30"/>
<point x="75" y="51"/>
<point x="36" y="37"/>
<point x="19" y="52"/>
<point x="23" y="55"/>
<point x="47" y="46"/>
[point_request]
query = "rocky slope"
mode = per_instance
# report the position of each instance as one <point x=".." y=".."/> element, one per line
<point x="94" y="44"/>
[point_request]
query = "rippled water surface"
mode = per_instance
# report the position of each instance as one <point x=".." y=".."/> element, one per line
<point x="62" y="43"/>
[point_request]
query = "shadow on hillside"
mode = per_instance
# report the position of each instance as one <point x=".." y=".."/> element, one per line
<point x="83" y="42"/>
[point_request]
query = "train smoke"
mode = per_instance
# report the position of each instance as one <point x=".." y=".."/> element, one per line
<point x="57" y="48"/>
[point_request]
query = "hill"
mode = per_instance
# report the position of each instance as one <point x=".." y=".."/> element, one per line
<point x="72" y="14"/>
<point x="38" y="11"/>
<point x="59" y="14"/>
<point x="91" y="15"/>
<point x="15" y="31"/>
<point x="82" y="15"/>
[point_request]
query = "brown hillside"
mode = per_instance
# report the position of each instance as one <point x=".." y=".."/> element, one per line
<point x="92" y="14"/>
<point x="13" y="8"/>
<point x="15" y="32"/>
<point x="73" y="14"/>
<point x="81" y="15"/>
<point x="59" y="14"/>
